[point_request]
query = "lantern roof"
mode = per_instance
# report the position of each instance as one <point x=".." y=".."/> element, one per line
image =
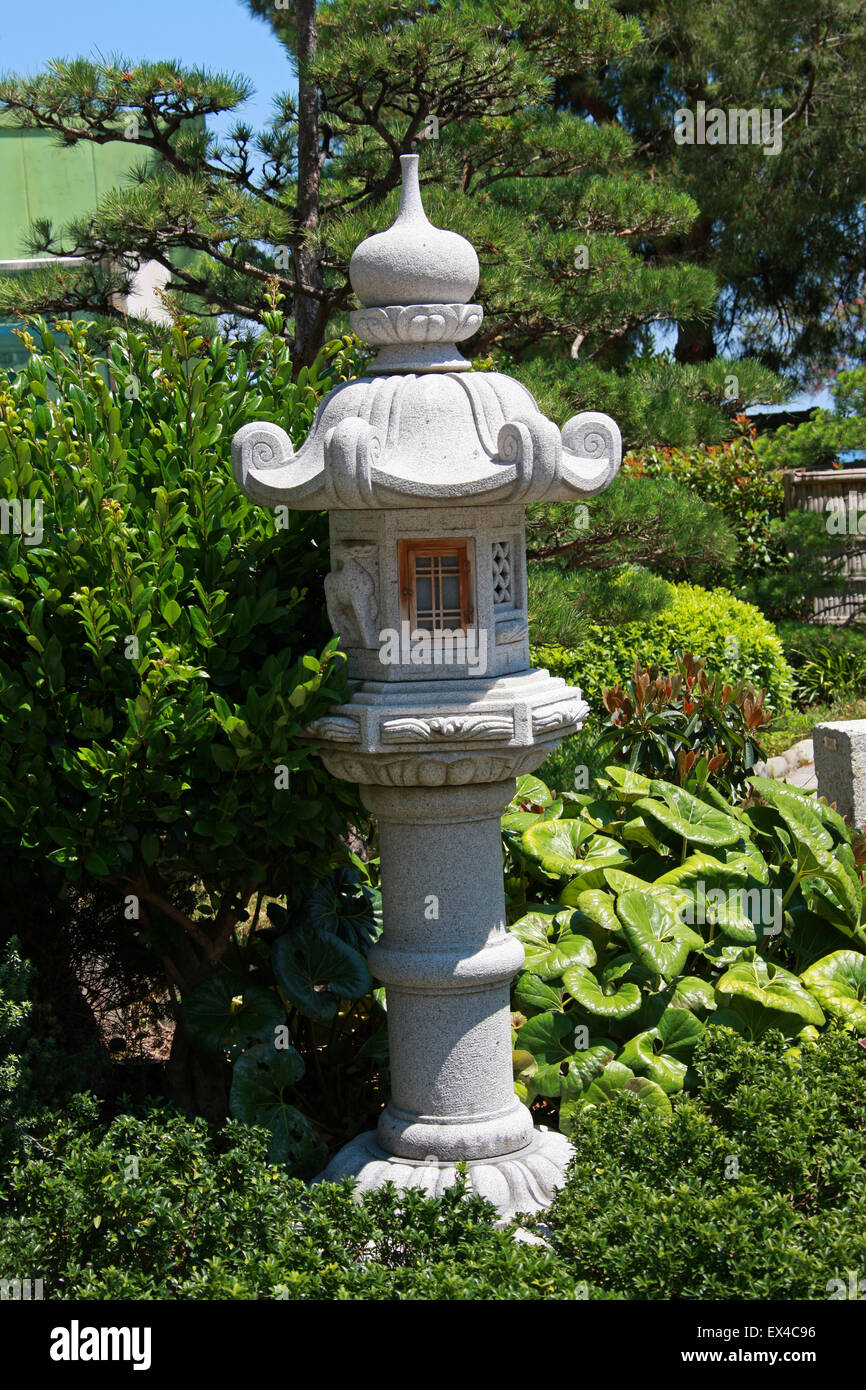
<point x="421" y="427"/>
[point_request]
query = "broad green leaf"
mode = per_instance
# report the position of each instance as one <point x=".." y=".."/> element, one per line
<point x="600" y="853"/>
<point x="314" y="972"/>
<point x="534" y="927"/>
<point x="645" y="1055"/>
<point x="570" y="950"/>
<point x="649" y="1093"/>
<point x="601" y="1000"/>
<point x="748" y="862"/>
<point x="227" y="1014"/>
<point x="721" y="951"/>
<point x="262" y="1078"/>
<point x="714" y="797"/>
<point x="599" y="908"/>
<point x="689" y="817"/>
<point x="591" y="1060"/>
<point x="171" y="611"/>
<point x="531" y="789"/>
<point x="347" y="907"/>
<point x="637" y="832"/>
<point x="793" y="806"/>
<point x="817" y="851"/>
<point x="703" y="868"/>
<point x="838" y="982"/>
<point x="813" y="937"/>
<point x="822" y="896"/>
<point x="765" y="995"/>
<point x="628" y="786"/>
<point x="679" y="1030"/>
<point x="555" y="846"/>
<point x="549" y="1037"/>
<point x="532" y="993"/>
<point x="726" y="1018"/>
<point x="657" y="936"/>
<point x="734" y="921"/>
<point x="614" y="1079"/>
<point x="621" y="966"/>
<point x="518" y="821"/>
<point x="607" y="1083"/>
<point x="569" y="1077"/>
<point x="695" y="994"/>
<point x="673" y="899"/>
<point x="523" y="1065"/>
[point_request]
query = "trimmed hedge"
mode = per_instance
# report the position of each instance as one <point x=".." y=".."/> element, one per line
<point x="653" y="1207"/>
<point x="736" y="639"/>
<point x="154" y="1206"/>
<point x="752" y="1190"/>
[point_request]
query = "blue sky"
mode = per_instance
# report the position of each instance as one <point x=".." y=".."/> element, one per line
<point x="218" y="34"/>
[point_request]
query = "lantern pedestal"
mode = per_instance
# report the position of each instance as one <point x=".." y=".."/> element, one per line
<point x="447" y="962"/>
<point x="525" y="1181"/>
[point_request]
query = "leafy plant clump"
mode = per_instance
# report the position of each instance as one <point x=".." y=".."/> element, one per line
<point x="828" y="663"/>
<point x="751" y="1189"/>
<point x="650" y="913"/>
<point x="294" y="1013"/>
<point x="686" y="725"/>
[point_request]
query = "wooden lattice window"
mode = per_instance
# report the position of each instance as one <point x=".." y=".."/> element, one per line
<point x="436" y="584"/>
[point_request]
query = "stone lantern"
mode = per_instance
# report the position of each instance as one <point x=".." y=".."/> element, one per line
<point x="426" y="468"/>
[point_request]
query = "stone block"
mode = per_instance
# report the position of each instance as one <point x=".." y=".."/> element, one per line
<point x="840" y="765"/>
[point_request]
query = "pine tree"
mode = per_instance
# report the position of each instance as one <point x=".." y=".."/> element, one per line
<point x="783" y="232"/>
<point x="559" y="209"/>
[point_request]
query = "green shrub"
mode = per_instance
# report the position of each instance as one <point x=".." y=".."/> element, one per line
<point x="35" y="1069"/>
<point x="578" y="761"/>
<point x="15" y="1009"/>
<point x="154" y="1206"/>
<point x="752" y="1189"/>
<point x="732" y="476"/>
<point x="611" y="559"/>
<point x="163" y="644"/>
<point x="734" y="639"/>
<point x="296" y="1014"/>
<point x="783" y="560"/>
<point x="650" y="913"/>
<point x="156" y="635"/>
<point x="820" y="441"/>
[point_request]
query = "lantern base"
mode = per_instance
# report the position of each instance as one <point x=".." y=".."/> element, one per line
<point x="523" y="1181"/>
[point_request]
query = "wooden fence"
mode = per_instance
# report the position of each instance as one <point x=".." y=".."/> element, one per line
<point x="842" y="490"/>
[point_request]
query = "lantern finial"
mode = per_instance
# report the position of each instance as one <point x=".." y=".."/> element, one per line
<point x="413" y="262"/>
